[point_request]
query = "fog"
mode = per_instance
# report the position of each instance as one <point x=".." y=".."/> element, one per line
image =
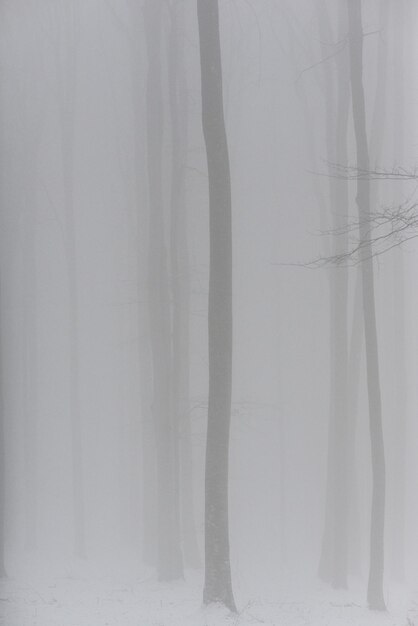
<point x="208" y="344"/>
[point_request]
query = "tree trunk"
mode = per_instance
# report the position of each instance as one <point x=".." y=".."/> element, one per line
<point x="170" y="566"/>
<point x="375" y="586"/>
<point x="218" y="585"/>
<point x="180" y="283"/>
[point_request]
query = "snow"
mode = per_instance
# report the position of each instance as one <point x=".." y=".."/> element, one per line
<point x="145" y="602"/>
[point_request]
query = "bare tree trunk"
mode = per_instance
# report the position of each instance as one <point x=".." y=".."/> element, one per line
<point x="376" y="137"/>
<point x="375" y="586"/>
<point x="218" y="585"/>
<point x="180" y="282"/>
<point x="170" y="566"/>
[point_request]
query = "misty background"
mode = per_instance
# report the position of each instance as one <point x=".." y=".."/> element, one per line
<point x="79" y="449"/>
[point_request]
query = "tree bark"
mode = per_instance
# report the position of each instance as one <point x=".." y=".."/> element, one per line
<point x="218" y="585"/>
<point x="375" y="585"/>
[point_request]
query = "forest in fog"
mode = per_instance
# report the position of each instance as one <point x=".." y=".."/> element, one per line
<point x="208" y="312"/>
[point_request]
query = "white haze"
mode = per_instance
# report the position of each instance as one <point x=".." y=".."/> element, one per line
<point x="274" y="62"/>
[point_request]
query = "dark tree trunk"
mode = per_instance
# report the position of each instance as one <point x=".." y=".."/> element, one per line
<point x="375" y="586"/>
<point x="218" y="586"/>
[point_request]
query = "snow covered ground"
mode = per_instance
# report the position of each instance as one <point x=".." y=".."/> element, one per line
<point x="84" y="602"/>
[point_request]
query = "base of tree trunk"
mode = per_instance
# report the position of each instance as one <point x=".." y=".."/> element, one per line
<point x="224" y="599"/>
<point x="376" y="602"/>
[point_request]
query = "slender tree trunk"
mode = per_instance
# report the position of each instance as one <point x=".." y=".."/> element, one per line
<point x="180" y="282"/>
<point x="376" y="138"/>
<point x="375" y="586"/>
<point x="376" y="141"/>
<point x="170" y="566"/>
<point x="218" y="586"/>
